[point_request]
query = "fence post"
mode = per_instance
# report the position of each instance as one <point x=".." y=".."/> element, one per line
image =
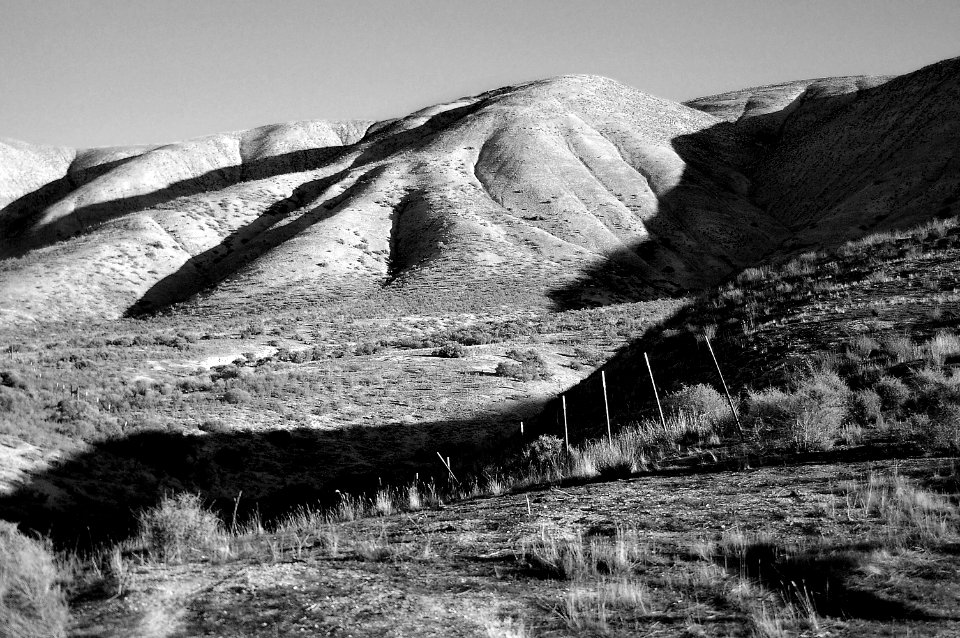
<point x="656" y="395"/>
<point x="724" y="384"/>
<point x="606" y="405"/>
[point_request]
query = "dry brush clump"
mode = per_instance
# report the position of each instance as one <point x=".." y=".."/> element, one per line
<point x="529" y="366"/>
<point x="811" y="415"/>
<point x="32" y="603"/>
<point x="180" y="527"/>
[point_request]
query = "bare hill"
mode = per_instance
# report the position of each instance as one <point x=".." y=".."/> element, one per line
<point x="575" y="189"/>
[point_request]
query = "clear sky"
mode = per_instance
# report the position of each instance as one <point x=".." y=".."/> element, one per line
<point x="101" y="72"/>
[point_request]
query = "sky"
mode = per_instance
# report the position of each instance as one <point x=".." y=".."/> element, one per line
<point x="88" y="73"/>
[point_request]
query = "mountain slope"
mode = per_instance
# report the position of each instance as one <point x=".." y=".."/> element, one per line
<point x="564" y="192"/>
<point x="535" y="182"/>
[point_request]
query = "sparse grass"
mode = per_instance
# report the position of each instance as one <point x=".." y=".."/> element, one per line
<point x="606" y="605"/>
<point x="570" y="556"/>
<point x="506" y="628"/>
<point x="909" y="516"/>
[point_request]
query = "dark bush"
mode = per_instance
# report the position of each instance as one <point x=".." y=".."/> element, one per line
<point x="236" y="396"/>
<point x="530" y="366"/>
<point x="368" y="348"/>
<point x="450" y="350"/>
<point x="866" y="408"/>
<point x="74" y="410"/>
<point x="893" y="393"/>
<point x="13" y="379"/>
<point x="225" y="372"/>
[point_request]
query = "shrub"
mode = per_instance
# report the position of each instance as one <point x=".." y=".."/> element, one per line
<point x="251" y="329"/>
<point x="194" y="384"/>
<point x="368" y="348"/>
<point x="236" y="396"/>
<point x="450" y="350"/>
<point x="546" y="455"/>
<point x="529" y="367"/>
<point x="937" y="398"/>
<point x="866" y="408"/>
<point x="813" y="414"/>
<point x="225" y="372"/>
<point x="820" y="407"/>
<point x="893" y="393"/>
<point x="13" y="379"/>
<point x="32" y="604"/>
<point x="178" y="527"/>
<point x="701" y="402"/>
<point x="10" y="400"/>
<point x="74" y="410"/>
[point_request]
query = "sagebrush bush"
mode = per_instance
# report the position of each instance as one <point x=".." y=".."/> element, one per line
<point x="866" y="408"/>
<point x="13" y="379"/>
<point x="546" y="455"/>
<point x="178" y="527"/>
<point x="813" y="414"/>
<point x="237" y="396"/>
<point x="700" y="402"/>
<point x="32" y="604"/>
<point x="893" y="393"/>
<point x="450" y="350"/>
<point x="530" y="366"/>
<point x="937" y="398"/>
<point x="942" y="346"/>
<point x="820" y="408"/>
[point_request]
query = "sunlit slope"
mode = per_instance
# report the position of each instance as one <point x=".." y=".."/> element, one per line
<point x="525" y="187"/>
<point x="563" y="192"/>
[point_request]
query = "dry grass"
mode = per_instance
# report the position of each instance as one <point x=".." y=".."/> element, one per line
<point x="569" y="556"/>
<point x="605" y="606"/>
<point x="909" y="515"/>
<point x="32" y="604"/>
<point x="180" y="527"/>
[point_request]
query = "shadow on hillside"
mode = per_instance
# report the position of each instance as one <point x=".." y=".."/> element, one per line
<point x="22" y="236"/>
<point x="689" y="244"/>
<point x="86" y="218"/>
<point x="821" y="580"/>
<point x="92" y="498"/>
<point x="15" y="216"/>
<point x="244" y="245"/>
<point x="712" y="224"/>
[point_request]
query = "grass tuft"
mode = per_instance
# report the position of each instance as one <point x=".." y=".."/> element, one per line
<point x="32" y="604"/>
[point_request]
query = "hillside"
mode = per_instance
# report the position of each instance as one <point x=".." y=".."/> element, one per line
<point x="579" y="187"/>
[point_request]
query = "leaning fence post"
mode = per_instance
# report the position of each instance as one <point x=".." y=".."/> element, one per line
<point x="724" y="384"/>
<point x="656" y="395"/>
<point x="606" y="404"/>
<point x="566" y="432"/>
<point x="446" y="464"/>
